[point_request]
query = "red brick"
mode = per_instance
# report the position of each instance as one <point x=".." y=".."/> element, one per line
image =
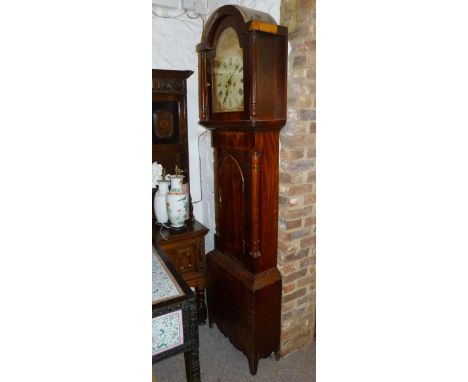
<point x="298" y="165"/>
<point x="295" y="141"/>
<point x="295" y="342"/>
<point x="309" y="221"/>
<point x="300" y="189"/>
<point x="305" y="45"/>
<point x="296" y="201"/>
<point x="309" y="280"/>
<point x="294" y="295"/>
<point x="306" y="115"/>
<point x="311" y="176"/>
<point x="301" y="254"/>
<point x="295" y="331"/>
<point x="306" y="102"/>
<point x="283" y="200"/>
<point x="288" y="288"/>
<point x="308" y="242"/>
<point x="306" y="262"/>
<point x="292" y="214"/>
<point x="299" y="233"/>
<point x="289" y="268"/>
<point x="305" y="300"/>
<point x="287" y="247"/>
<point x="294" y="276"/>
<point x="293" y="313"/>
<point x="291" y="154"/>
<point x="299" y="60"/>
<point x="284" y="177"/>
<point x="309" y="199"/>
<point x="291" y="224"/>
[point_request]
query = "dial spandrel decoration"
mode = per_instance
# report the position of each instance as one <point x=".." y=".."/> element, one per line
<point x="228" y="73"/>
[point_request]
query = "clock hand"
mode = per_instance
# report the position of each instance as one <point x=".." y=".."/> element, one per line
<point x="229" y="80"/>
<point x="228" y="85"/>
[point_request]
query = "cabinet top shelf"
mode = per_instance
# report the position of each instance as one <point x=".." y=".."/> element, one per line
<point x="181" y="74"/>
<point x="193" y="229"/>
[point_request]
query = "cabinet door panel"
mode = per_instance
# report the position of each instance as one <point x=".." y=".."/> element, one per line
<point x="233" y="200"/>
<point x="185" y="258"/>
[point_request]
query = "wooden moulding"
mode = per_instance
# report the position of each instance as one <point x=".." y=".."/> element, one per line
<point x="263" y="26"/>
<point x="170" y="81"/>
<point x="253" y="281"/>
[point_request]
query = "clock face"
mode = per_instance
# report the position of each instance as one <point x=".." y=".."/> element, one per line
<point x="228" y="74"/>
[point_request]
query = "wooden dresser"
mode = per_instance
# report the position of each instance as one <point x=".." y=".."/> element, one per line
<point x="184" y="248"/>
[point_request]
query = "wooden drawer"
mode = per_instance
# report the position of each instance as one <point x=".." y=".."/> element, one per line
<point x="185" y="255"/>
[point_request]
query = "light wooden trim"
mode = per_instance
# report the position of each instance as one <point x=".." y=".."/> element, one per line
<point x="263" y="26"/>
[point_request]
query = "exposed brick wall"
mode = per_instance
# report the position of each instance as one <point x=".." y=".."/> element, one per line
<point x="296" y="241"/>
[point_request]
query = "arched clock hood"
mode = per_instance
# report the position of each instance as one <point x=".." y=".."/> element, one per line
<point x="264" y="46"/>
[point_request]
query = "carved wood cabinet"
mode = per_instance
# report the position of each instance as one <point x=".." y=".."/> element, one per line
<point x="242" y="73"/>
<point x="186" y="247"/>
<point x="170" y="142"/>
<point x="186" y="251"/>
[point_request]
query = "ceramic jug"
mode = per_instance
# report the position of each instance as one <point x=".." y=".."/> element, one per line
<point x="160" y="201"/>
<point x="177" y="202"/>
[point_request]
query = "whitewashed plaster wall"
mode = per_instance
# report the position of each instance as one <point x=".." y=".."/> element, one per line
<point x="174" y="41"/>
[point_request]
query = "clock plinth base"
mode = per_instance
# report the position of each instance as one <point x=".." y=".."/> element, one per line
<point x="245" y="307"/>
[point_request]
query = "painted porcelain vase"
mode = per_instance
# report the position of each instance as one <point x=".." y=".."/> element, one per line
<point x="160" y="201"/>
<point x="185" y="187"/>
<point x="177" y="202"/>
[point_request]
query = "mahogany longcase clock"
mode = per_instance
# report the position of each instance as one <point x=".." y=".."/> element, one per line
<point x="242" y="74"/>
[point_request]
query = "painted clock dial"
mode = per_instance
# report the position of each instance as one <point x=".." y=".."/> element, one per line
<point x="228" y="73"/>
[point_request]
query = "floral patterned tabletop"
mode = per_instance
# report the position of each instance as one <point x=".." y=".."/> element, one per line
<point x="168" y="330"/>
<point x="164" y="286"/>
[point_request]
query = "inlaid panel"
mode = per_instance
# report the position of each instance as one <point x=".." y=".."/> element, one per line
<point x="184" y="258"/>
<point x="165" y="123"/>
